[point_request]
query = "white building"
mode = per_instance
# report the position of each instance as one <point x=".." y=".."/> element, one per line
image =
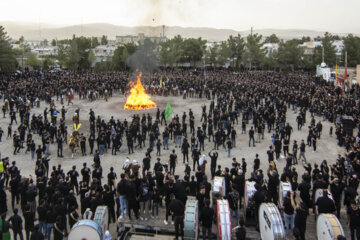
<point x="270" y="48"/>
<point x="103" y="53"/>
<point x="40" y="52"/>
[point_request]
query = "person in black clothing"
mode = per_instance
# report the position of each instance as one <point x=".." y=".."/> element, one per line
<point x="259" y="197"/>
<point x="304" y="188"/>
<point x="59" y="229"/>
<point x="16" y="223"/>
<point x="83" y="145"/>
<point x="300" y="219"/>
<point x="73" y="174"/>
<point x="353" y="219"/>
<point x="196" y="156"/>
<point x="251" y="136"/>
<point x="185" y="150"/>
<point x="91" y="142"/>
<point x="206" y="217"/>
<point x="146" y="164"/>
<point x="172" y="161"/>
<point x="85" y="172"/>
<point x="213" y="156"/>
<point x="325" y="204"/>
<point x="37" y="234"/>
<point x="336" y="189"/>
<point x="29" y="218"/>
<point x="240" y="231"/>
<point x="131" y="197"/>
<point x="60" y="141"/>
<point x="73" y="217"/>
<point x="273" y="184"/>
<point x="108" y="198"/>
<point x="176" y="207"/>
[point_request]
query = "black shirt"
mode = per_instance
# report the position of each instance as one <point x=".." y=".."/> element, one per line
<point x="207" y="215"/>
<point x="146" y="162"/>
<point x="325" y="205"/>
<point x="354" y="217"/>
<point x="240" y="233"/>
<point x="177" y="207"/>
<point x="300" y="218"/>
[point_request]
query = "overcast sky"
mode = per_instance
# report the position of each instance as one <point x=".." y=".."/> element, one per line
<point x="340" y="16"/>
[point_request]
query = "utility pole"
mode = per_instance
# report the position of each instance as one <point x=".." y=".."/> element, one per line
<point x="251" y="31"/>
<point x="163" y="31"/>
<point x="323" y="57"/>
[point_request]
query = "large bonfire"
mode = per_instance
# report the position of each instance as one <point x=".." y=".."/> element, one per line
<point x="138" y="98"/>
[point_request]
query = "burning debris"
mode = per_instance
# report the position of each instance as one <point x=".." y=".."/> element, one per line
<point x="138" y="98"/>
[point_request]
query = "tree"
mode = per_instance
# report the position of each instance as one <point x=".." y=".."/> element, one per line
<point x="94" y="42"/>
<point x="47" y="62"/>
<point x="104" y="40"/>
<point x="33" y="61"/>
<point x="212" y="55"/>
<point x="53" y="42"/>
<point x="254" y="53"/>
<point x="329" y="49"/>
<point x="290" y="54"/>
<point x="77" y="55"/>
<point x="236" y="46"/>
<point x="272" y="39"/>
<point x="352" y="47"/>
<point x="194" y="49"/>
<point x="103" y="66"/>
<point x="8" y="61"/>
<point x="224" y="53"/>
<point x="21" y="39"/>
<point x="171" y="51"/>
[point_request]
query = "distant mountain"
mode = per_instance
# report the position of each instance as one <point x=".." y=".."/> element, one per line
<point x="41" y="31"/>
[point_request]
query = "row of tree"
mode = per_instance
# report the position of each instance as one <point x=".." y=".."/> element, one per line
<point x="237" y="52"/>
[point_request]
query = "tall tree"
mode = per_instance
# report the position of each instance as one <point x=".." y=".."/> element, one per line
<point x="352" y="47"/>
<point x="104" y="40"/>
<point x="290" y="54"/>
<point x="94" y="42"/>
<point x="53" y="42"/>
<point x="33" y="61"/>
<point x="272" y="39"/>
<point x="194" y="50"/>
<point x="8" y="61"/>
<point x="254" y="53"/>
<point x="236" y="46"/>
<point x="329" y="49"/>
<point x="171" y="51"/>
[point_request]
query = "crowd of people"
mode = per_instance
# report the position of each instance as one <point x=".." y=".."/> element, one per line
<point x="234" y="103"/>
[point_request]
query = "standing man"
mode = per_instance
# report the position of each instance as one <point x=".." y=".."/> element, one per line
<point x="353" y="218"/>
<point x="251" y="136"/>
<point x="206" y="218"/>
<point x="172" y="161"/>
<point x="302" y="150"/>
<point x="195" y="156"/>
<point x="185" y="150"/>
<point x="213" y="156"/>
<point x="16" y="223"/>
<point x="177" y="209"/>
<point x="60" y="141"/>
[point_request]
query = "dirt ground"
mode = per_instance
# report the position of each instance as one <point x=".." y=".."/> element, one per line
<point x="327" y="145"/>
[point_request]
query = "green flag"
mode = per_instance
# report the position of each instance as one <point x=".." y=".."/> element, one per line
<point x="168" y="110"/>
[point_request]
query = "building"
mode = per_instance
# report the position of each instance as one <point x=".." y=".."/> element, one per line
<point x="103" y="53"/>
<point x="270" y="48"/>
<point x="45" y="51"/>
<point x="121" y="40"/>
<point x="309" y="47"/>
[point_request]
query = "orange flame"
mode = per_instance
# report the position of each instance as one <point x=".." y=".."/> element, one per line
<point x="138" y="98"/>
